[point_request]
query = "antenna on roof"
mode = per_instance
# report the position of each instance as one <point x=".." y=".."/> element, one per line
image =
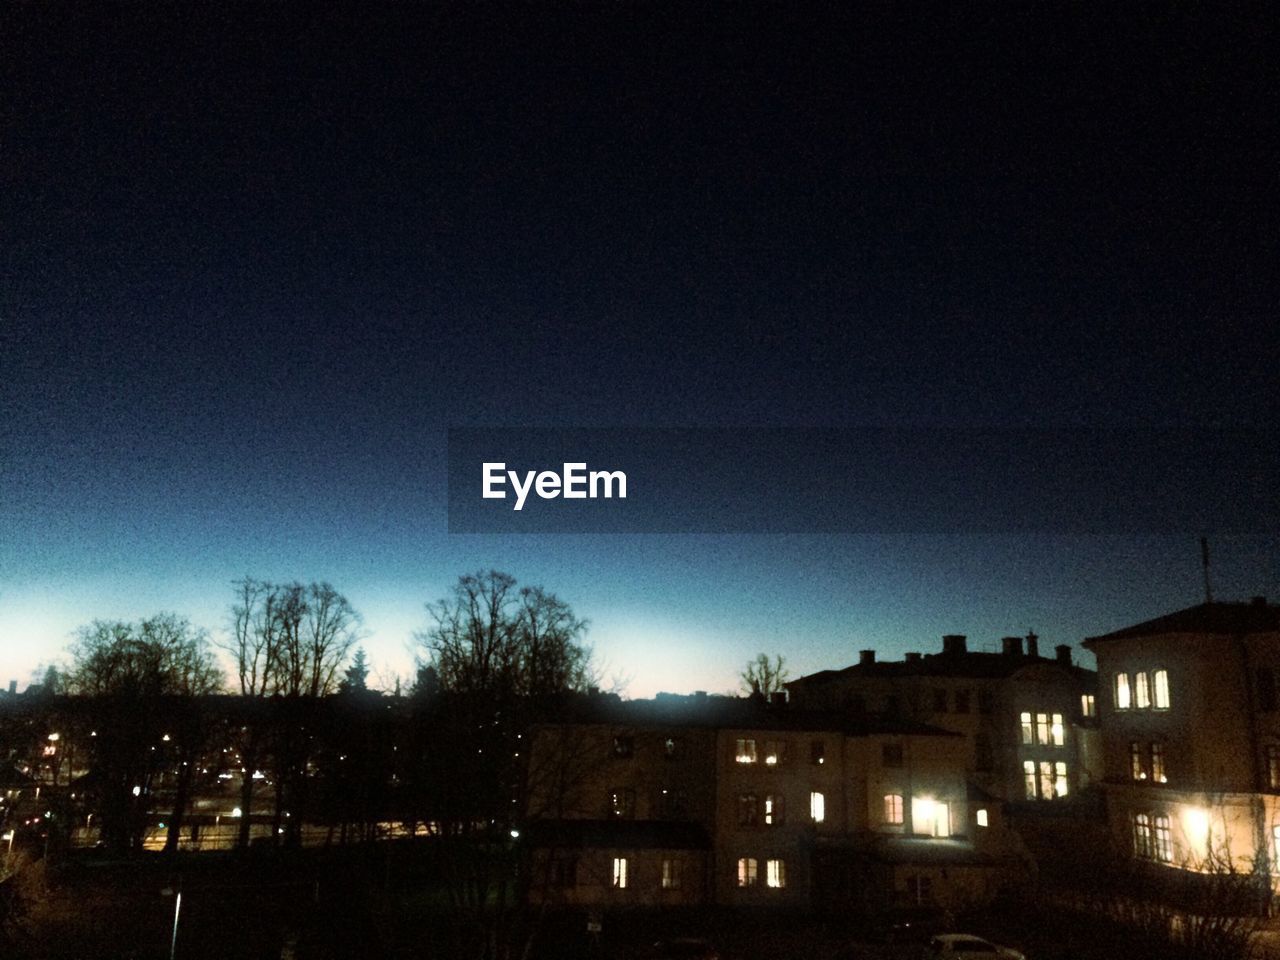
<point x="1204" y="559"/>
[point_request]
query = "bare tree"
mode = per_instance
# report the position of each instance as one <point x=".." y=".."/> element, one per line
<point x="765" y="676"/>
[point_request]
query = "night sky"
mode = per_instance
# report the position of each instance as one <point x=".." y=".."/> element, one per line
<point x="257" y="260"/>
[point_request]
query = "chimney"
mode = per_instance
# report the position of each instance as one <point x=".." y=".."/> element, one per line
<point x="913" y="657"/>
<point x="866" y="657"/>
<point x="13" y="688"/>
<point x="1064" y="654"/>
<point x="1032" y="649"/>
<point x="1257" y="601"/>
<point x="1011" y="646"/>
<point x="953" y="644"/>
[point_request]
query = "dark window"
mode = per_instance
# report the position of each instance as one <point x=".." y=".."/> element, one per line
<point x="962" y="701"/>
<point x="624" y="746"/>
<point x="748" y="810"/>
<point x="622" y="804"/>
<point x="817" y="751"/>
<point x="564" y="872"/>
<point x="982" y="752"/>
<point x="674" y="804"/>
<point x="670" y="748"/>
<point x="1266" y="689"/>
<point x="891" y="754"/>
<point x="1273" y="767"/>
<point x="893" y="704"/>
<point x="939" y="701"/>
<point x="986" y="702"/>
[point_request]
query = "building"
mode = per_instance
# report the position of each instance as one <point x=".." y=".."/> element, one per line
<point x="1028" y="721"/>
<point x="1191" y="737"/>
<point x="739" y="802"/>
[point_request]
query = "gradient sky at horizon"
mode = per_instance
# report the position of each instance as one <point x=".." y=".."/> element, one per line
<point x="258" y="260"/>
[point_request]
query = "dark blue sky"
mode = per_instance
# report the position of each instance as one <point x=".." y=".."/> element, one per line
<point x="257" y="260"/>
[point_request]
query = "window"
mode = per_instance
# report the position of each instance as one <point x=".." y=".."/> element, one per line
<point x="939" y="700"/>
<point x="747" y="807"/>
<point x="817" y="807"/>
<point x="1122" y="691"/>
<point x="1046" y="780"/>
<point x="773" y="805"/>
<point x="941" y="820"/>
<point x="1029" y="778"/>
<point x="893" y="808"/>
<point x="817" y="752"/>
<point x="1059" y="779"/>
<point x="986" y="702"/>
<point x="1273" y="767"/>
<point x="622" y="804"/>
<point x="624" y="747"/>
<point x="1057" y="731"/>
<point x="1161" y="684"/>
<point x="1042" y="728"/>
<point x="746" y="752"/>
<point x="1137" y="769"/>
<point x="982" y="818"/>
<point x="670" y="748"/>
<point x="775" y="752"/>
<point x="746" y="871"/>
<point x="1142" y="846"/>
<point x="1141" y="691"/>
<point x="891" y="754"/>
<point x="775" y="874"/>
<point x="1266" y="681"/>
<point x="672" y="874"/>
<point x="1275" y="839"/>
<point x="620" y="871"/>
<point x="564" y="872"/>
<point x="674" y="804"/>
<point x="1088" y="708"/>
<point x="1027" y="737"/>
<point x="982" y="753"/>
<point x="1157" y="763"/>
<point x="962" y="701"/>
<point x="1164" y="840"/>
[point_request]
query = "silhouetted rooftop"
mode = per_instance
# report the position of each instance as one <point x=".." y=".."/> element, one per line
<point x="974" y="664"/>
<point x="1256" y="616"/>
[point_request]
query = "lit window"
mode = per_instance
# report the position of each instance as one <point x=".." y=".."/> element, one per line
<point x="1088" y="708"/>
<point x="1029" y="778"/>
<point x="982" y="817"/>
<point x="775" y="874"/>
<point x="773" y="809"/>
<point x="1157" y="763"/>
<point x="1046" y="780"/>
<point x="672" y="874"/>
<point x="1137" y="769"/>
<point x="1042" y="728"/>
<point x="1142" y="836"/>
<point x="1141" y="691"/>
<point x="746" y="871"/>
<point x="1122" y="691"/>
<point x="893" y="808"/>
<point x="1026" y="729"/>
<point x="817" y="752"/>
<point x="1162" y="689"/>
<point x="1164" y="840"/>
<point x="1057" y="730"/>
<point x="941" y="820"/>
<point x="620" y="873"/>
<point x="746" y="752"/>
<point x="1273" y="767"/>
<point x="1059" y="779"/>
<point x="747" y="808"/>
<point x="817" y="807"/>
<point x="775" y="751"/>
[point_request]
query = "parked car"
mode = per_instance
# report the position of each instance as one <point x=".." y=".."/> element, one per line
<point x="965" y="946"/>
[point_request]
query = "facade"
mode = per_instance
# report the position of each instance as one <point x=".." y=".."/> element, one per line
<point x="1190" y="717"/>
<point x="743" y="803"/>
<point x="1028" y="721"/>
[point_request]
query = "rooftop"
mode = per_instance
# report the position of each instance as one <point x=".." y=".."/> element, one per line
<point x="1255" y="616"/>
